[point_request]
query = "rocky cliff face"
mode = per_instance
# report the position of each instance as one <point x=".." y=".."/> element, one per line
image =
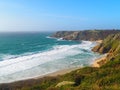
<point x="110" y="45"/>
<point x="90" y="35"/>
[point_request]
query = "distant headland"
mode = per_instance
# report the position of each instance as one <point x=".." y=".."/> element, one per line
<point x="89" y="35"/>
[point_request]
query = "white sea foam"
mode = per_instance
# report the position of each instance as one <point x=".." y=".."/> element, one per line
<point x="60" y="39"/>
<point x="28" y="63"/>
<point x="50" y="37"/>
<point x="6" y="56"/>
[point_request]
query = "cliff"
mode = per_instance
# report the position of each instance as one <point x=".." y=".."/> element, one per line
<point x="109" y="45"/>
<point x="90" y="35"/>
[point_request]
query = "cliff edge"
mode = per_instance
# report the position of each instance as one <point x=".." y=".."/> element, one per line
<point x="111" y="46"/>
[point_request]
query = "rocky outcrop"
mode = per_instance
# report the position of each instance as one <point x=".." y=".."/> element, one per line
<point x="111" y="46"/>
<point x="91" y="35"/>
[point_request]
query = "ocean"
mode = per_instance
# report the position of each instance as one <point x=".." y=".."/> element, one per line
<point x="28" y="55"/>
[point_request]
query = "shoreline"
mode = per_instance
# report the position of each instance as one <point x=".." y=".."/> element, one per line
<point x="57" y="73"/>
<point x="53" y="74"/>
<point x="64" y="71"/>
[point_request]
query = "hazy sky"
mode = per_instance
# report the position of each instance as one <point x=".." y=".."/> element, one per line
<point x="46" y="15"/>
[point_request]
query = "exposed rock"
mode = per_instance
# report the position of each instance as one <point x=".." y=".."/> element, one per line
<point x="110" y="45"/>
<point x="64" y="83"/>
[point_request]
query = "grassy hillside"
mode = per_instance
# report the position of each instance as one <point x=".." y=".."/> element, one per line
<point x="107" y="77"/>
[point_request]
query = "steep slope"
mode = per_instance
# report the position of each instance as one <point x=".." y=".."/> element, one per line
<point x="110" y="45"/>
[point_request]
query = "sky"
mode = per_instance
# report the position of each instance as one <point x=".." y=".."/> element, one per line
<point x="54" y="15"/>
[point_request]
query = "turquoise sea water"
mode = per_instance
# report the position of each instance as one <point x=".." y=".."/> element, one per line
<point x="27" y="55"/>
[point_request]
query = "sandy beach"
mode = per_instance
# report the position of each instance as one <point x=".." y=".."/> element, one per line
<point x="97" y="61"/>
<point x="60" y="72"/>
<point x="99" y="41"/>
